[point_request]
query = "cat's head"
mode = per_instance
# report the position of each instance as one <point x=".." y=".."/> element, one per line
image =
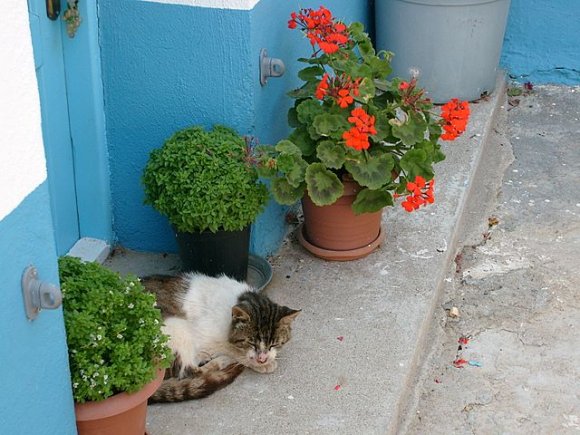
<point x="260" y="328"/>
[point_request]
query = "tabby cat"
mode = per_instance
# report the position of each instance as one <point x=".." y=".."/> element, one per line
<point x="216" y="328"/>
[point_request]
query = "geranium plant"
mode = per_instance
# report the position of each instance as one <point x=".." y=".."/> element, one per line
<point x="113" y="331"/>
<point x="351" y="122"/>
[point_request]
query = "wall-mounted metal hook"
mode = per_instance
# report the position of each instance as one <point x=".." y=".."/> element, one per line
<point x="52" y="9"/>
<point x="38" y="294"/>
<point x="270" y="67"/>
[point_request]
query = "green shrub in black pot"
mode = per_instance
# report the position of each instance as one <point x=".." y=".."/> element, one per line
<point x="203" y="182"/>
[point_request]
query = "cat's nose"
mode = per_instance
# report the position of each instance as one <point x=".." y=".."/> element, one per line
<point x="262" y="357"/>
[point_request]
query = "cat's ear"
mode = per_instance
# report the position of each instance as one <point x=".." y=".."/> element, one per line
<point x="288" y="316"/>
<point x="239" y="314"/>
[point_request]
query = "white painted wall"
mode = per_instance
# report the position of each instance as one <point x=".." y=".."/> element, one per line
<point x="216" y="4"/>
<point x="22" y="163"/>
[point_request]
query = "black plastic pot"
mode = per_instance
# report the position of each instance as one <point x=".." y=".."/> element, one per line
<point x="214" y="254"/>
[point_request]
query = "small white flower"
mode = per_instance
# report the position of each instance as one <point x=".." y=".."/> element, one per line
<point x="120" y="336"/>
<point x="76" y="385"/>
<point x="132" y="284"/>
<point x="414" y="72"/>
<point x="105" y="377"/>
<point x="156" y="321"/>
<point x="99" y="337"/>
<point x="131" y="306"/>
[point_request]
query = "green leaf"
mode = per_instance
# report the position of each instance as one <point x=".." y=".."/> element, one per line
<point x="411" y="131"/>
<point x="331" y="154"/>
<point x="414" y="163"/>
<point x="305" y="91"/>
<point x="370" y="201"/>
<point x="293" y="168"/>
<point x="311" y="73"/>
<point x="326" y="124"/>
<point x="367" y="90"/>
<point x="382" y="126"/>
<point x="288" y="147"/>
<point x="307" y="110"/>
<point x="314" y="60"/>
<point x="284" y="193"/>
<point x="381" y="67"/>
<point x="357" y="32"/>
<point x="301" y="138"/>
<point x="371" y="171"/>
<point x="439" y="156"/>
<point x="324" y="187"/>
<point x="293" y="118"/>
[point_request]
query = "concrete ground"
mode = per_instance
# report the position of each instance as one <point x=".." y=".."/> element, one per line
<point x="374" y="333"/>
<point x="516" y="284"/>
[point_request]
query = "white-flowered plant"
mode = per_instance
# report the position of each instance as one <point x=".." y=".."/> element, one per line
<point x="113" y="331"/>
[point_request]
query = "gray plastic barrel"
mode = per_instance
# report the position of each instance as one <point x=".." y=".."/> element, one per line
<point x="455" y="45"/>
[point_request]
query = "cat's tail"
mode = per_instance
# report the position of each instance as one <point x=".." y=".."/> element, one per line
<point x="199" y="383"/>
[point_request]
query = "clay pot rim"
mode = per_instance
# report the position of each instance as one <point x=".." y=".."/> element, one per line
<point x="340" y="255"/>
<point x="118" y="403"/>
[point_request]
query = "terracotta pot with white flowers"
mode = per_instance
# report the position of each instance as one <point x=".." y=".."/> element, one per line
<point x="117" y="352"/>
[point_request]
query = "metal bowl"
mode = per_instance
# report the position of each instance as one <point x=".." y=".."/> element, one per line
<point x="259" y="272"/>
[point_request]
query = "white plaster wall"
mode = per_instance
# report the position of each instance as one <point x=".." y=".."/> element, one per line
<point x="216" y="4"/>
<point x="22" y="163"/>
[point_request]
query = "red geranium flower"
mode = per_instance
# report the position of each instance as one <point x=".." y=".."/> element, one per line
<point x="320" y="28"/>
<point x="421" y="193"/>
<point x="455" y="114"/>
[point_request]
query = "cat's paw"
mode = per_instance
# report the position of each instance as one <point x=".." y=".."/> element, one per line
<point x="269" y="367"/>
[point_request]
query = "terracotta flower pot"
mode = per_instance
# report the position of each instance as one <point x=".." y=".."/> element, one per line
<point x="122" y="413"/>
<point x="335" y="232"/>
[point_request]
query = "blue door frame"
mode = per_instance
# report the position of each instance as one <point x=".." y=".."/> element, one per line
<point x="50" y="74"/>
<point x="71" y="94"/>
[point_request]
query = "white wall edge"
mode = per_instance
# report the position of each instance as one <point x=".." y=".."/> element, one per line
<point x="213" y="4"/>
<point x="22" y="163"/>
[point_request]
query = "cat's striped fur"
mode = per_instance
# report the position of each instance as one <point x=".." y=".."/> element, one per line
<point x="217" y="327"/>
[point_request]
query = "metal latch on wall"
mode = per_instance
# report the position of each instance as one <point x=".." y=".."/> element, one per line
<point x="38" y="294"/>
<point x="270" y="67"/>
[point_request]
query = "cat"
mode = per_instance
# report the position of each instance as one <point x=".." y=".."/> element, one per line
<point x="217" y="327"/>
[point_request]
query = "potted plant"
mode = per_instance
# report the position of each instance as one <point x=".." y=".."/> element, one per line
<point x="204" y="183"/>
<point x="117" y="352"/>
<point x="359" y="140"/>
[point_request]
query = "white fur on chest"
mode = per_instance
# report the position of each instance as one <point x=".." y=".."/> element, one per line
<point x="208" y="306"/>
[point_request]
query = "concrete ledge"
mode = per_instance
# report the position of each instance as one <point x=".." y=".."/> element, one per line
<point x="88" y="249"/>
<point x="381" y="307"/>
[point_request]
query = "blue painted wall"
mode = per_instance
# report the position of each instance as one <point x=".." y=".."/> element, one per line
<point x="170" y="66"/>
<point x="166" y="67"/>
<point x="33" y="355"/>
<point x="542" y="41"/>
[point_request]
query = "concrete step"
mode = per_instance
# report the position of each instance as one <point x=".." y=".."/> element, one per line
<point x="381" y="307"/>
